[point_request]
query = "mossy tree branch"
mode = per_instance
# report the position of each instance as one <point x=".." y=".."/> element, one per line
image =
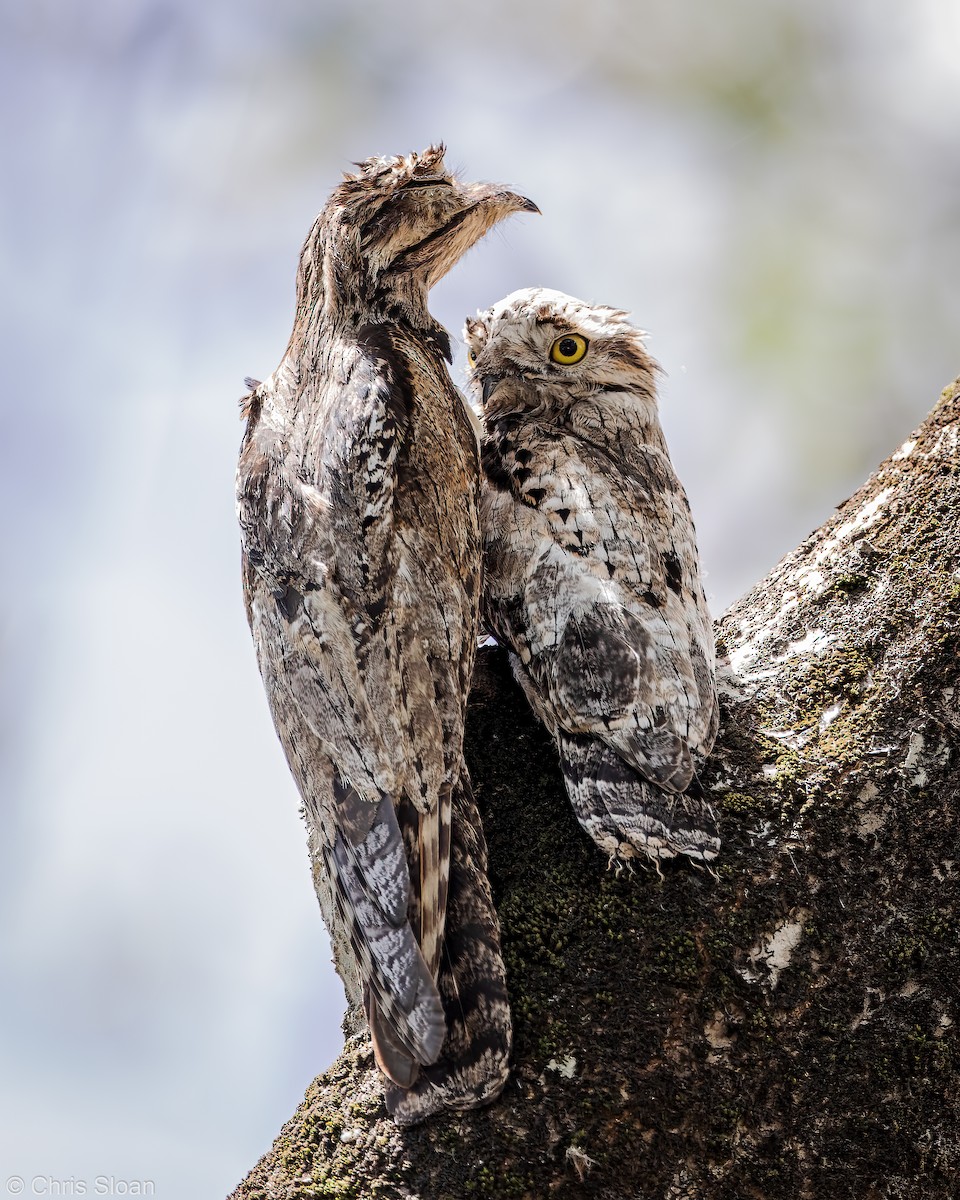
<point x="785" y="1029"/>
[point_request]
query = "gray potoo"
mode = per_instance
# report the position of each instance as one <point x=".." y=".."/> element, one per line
<point x="592" y="576"/>
<point x="357" y="493"/>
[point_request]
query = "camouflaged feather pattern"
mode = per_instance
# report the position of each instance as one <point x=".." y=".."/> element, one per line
<point x="592" y="575"/>
<point x="357" y="495"/>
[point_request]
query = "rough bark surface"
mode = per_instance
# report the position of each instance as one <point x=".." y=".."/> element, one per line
<point x="786" y="1029"/>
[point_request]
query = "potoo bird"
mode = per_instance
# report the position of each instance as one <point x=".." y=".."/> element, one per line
<point x="357" y="495"/>
<point x="592" y="576"/>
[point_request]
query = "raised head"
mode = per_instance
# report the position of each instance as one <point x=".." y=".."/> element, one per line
<point x="391" y="230"/>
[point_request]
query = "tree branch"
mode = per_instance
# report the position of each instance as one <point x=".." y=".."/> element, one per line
<point x="787" y="1028"/>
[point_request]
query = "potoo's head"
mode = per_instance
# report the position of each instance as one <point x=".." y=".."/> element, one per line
<point x="540" y="348"/>
<point x="397" y="226"/>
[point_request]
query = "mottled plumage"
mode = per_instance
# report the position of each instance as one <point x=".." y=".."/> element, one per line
<point x="358" y="500"/>
<point x="592" y="576"/>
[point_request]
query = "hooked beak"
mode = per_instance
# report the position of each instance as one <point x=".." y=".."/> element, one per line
<point x="490" y="384"/>
<point x="484" y="204"/>
<point x="510" y="202"/>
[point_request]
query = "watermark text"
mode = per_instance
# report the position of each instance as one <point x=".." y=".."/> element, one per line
<point x="72" y="1185"/>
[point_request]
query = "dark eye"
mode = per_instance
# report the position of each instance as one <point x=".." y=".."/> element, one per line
<point x="569" y="349"/>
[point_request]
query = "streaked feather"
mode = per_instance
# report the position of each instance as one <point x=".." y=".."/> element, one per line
<point x="592" y="571"/>
<point x="357" y="496"/>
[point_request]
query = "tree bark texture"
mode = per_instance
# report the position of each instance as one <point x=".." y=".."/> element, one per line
<point x="783" y="1028"/>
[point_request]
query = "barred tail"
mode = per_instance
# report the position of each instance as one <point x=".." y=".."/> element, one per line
<point x="625" y="814"/>
<point x="474" y="1062"/>
<point x="372" y="893"/>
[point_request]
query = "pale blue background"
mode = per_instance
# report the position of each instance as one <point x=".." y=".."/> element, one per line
<point x="772" y="188"/>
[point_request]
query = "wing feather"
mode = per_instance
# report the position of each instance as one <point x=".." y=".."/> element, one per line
<point x="373" y="882"/>
<point x="585" y="547"/>
<point x="321" y="562"/>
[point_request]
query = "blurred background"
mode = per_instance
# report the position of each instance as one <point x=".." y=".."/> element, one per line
<point x="772" y="188"/>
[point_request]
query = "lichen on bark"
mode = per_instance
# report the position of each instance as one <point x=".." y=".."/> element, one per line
<point x="785" y="1027"/>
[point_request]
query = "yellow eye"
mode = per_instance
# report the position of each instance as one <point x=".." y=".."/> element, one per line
<point x="569" y="349"/>
<point x="471" y="359"/>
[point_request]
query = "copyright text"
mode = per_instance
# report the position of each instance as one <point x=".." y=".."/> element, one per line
<point x="101" y="1185"/>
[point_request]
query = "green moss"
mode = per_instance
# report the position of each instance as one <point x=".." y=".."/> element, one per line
<point x="742" y="803"/>
<point x="849" y="584"/>
<point x="841" y="673"/>
<point x="505" y="1185"/>
<point x="677" y="959"/>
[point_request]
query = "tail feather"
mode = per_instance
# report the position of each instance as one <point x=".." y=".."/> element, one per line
<point x="428" y="857"/>
<point x="625" y="814"/>
<point x="372" y="890"/>
<point x="394" y="1055"/>
<point x="474" y="1062"/>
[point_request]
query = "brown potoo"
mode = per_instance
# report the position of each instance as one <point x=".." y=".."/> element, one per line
<point x="357" y="494"/>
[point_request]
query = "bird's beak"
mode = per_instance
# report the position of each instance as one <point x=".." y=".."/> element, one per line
<point x="497" y="199"/>
<point x="490" y="384"/>
<point x="484" y="204"/>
